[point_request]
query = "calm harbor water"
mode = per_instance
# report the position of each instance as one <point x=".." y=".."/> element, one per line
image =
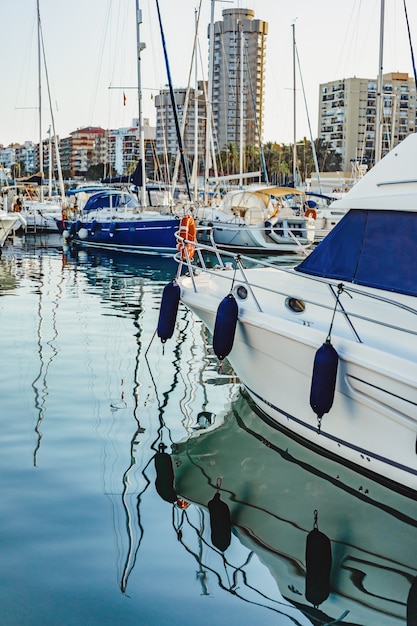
<point x="91" y="531"/>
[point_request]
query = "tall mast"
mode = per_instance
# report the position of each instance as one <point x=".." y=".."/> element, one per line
<point x="196" y="101"/>
<point x="40" y="102"/>
<point x="379" y="95"/>
<point x="241" y="141"/>
<point x="208" y="103"/>
<point x="294" y="150"/>
<point x="140" y="47"/>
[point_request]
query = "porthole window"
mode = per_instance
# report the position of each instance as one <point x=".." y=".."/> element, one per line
<point x="296" y="305"/>
<point x="241" y="292"/>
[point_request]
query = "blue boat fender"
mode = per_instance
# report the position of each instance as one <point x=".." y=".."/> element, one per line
<point x="112" y="229"/>
<point x="318" y="566"/>
<point x="225" y="326"/>
<point x="78" y="225"/>
<point x="164" y="482"/>
<point x="168" y="310"/>
<point x="72" y="229"/>
<point x="95" y="226"/>
<point x="220" y="523"/>
<point x="323" y="383"/>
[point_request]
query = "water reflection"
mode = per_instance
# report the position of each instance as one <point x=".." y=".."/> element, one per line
<point x="133" y="440"/>
<point x="133" y="450"/>
<point x="340" y="546"/>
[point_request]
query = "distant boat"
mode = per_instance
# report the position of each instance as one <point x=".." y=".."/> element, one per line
<point x="40" y="213"/>
<point x="123" y="220"/>
<point x="327" y="349"/>
<point x="113" y="220"/>
<point x="9" y="222"/>
<point x="258" y="219"/>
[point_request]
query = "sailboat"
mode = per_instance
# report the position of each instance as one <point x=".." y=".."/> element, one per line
<point x="261" y="219"/>
<point x="40" y="213"/>
<point x="121" y="221"/>
<point x="9" y="223"/>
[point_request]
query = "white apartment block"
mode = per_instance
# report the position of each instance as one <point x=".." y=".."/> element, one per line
<point x="348" y="115"/>
<point x="192" y="109"/>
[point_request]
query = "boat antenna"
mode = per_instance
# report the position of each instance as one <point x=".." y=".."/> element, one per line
<point x="174" y="106"/>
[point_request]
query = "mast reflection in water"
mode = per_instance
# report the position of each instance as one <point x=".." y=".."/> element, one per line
<point x="139" y="487"/>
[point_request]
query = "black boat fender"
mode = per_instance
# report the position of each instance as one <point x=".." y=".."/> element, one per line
<point x="323" y="382"/>
<point x="225" y="327"/>
<point x="168" y="310"/>
<point x="318" y="565"/>
<point x="164" y="482"/>
<point x="220" y="523"/>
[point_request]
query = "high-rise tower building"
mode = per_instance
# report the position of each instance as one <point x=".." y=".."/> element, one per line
<point x="238" y="78"/>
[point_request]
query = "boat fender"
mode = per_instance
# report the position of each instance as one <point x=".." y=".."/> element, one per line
<point x="412" y="604"/>
<point x="220" y="523"/>
<point x="73" y="229"/>
<point x="318" y="567"/>
<point x="323" y="382"/>
<point x="225" y="326"/>
<point x="94" y="226"/>
<point x="168" y="310"/>
<point x="112" y="229"/>
<point x="268" y="227"/>
<point x="164" y="482"/>
<point x="83" y="233"/>
<point x="78" y="225"/>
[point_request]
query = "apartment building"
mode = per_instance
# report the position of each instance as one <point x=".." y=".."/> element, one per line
<point x="192" y="109"/>
<point x="24" y="154"/>
<point x="239" y="53"/>
<point x="348" y="115"/>
<point x="237" y="101"/>
<point x="238" y="90"/>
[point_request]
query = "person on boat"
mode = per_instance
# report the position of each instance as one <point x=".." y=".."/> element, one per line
<point x="17" y="206"/>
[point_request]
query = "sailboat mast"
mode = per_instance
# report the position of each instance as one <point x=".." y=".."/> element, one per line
<point x="140" y="47"/>
<point x="196" y="101"/>
<point x="40" y="101"/>
<point x="208" y="103"/>
<point x="379" y="95"/>
<point x="241" y="142"/>
<point x="294" y="153"/>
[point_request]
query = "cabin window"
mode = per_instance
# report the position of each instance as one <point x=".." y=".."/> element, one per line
<point x="296" y="305"/>
<point x="241" y="292"/>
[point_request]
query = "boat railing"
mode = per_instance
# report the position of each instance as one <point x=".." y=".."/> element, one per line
<point x="208" y="258"/>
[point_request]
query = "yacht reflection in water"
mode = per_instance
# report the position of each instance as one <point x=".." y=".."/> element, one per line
<point x="341" y="547"/>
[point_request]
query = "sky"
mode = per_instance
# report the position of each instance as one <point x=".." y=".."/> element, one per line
<point x="90" y="58"/>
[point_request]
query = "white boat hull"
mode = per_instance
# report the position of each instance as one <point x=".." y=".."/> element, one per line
<point x="272" y="485"/>
<point x="9" y="222"/>
<point x="373" y="420"/>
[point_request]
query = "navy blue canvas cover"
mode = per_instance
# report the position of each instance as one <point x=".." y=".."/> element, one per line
<point x="369" y="247"/>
